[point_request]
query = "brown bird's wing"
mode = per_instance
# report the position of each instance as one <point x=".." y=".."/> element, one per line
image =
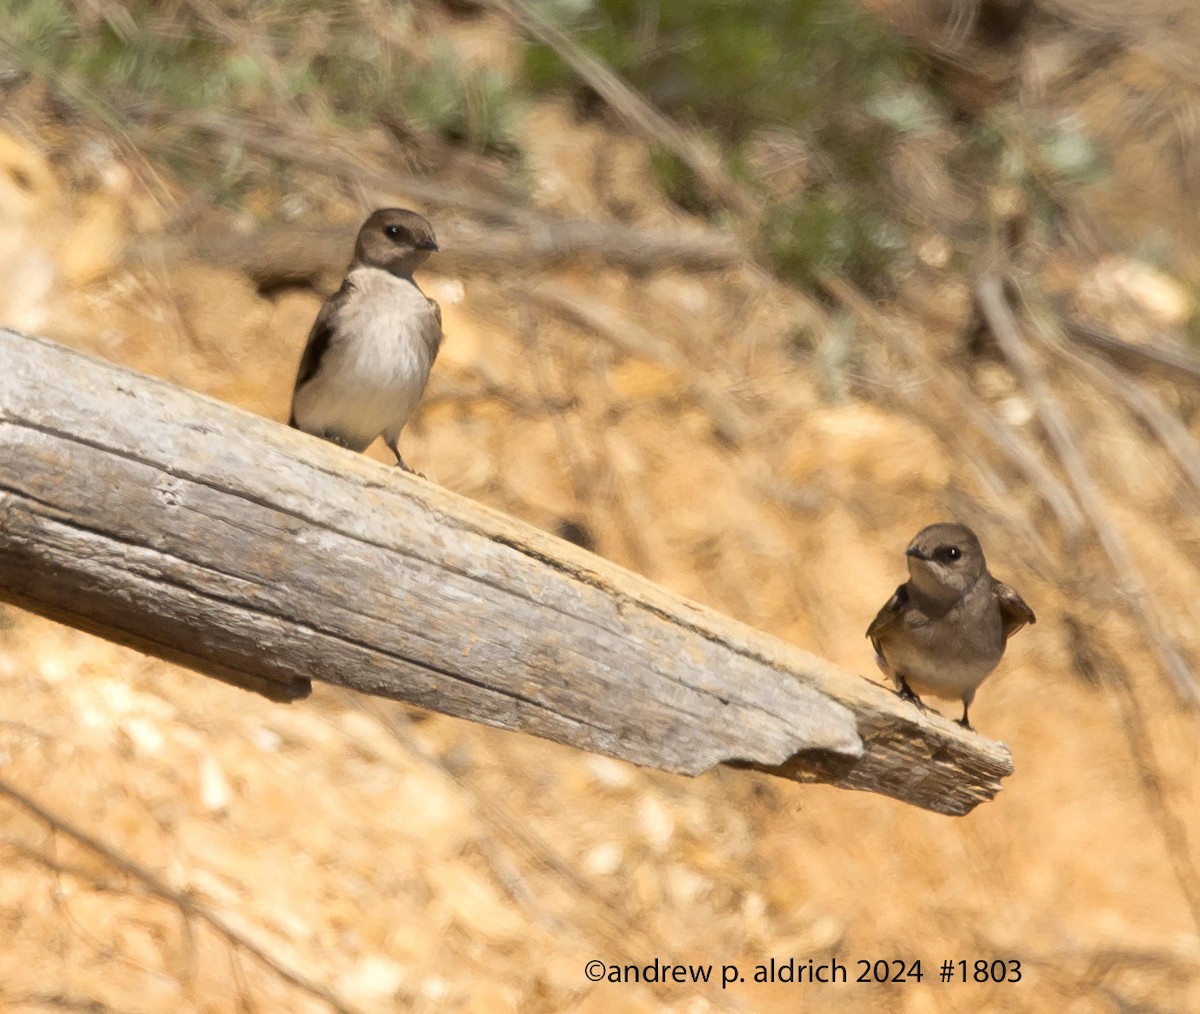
<point x="891" y="612"/>
<point x="1013" y="609"/>
<point x="437" y="341"/>
<point x="319" y="338"/>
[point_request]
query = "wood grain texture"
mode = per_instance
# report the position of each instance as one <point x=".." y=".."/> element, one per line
<point x="264" y="557"/>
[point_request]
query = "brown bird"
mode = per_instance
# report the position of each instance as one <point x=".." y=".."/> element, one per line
<point x="946" y="628"/>
<point x="373" y="343"/>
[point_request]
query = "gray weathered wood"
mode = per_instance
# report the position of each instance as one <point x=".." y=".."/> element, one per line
<point x="253" y="553"/>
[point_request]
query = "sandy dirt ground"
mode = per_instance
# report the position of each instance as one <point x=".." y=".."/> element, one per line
<point x="360" y="852"/>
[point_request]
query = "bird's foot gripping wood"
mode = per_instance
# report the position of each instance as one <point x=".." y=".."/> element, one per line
<point x="394" y="447"/>
<point x="403" y="466"/>
<point x="906" y="694"/>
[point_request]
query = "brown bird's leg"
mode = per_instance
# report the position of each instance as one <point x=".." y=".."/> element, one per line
<point x="964" y="721"/>
<point x="394" y="447"/>
<point x="906" y="693"/>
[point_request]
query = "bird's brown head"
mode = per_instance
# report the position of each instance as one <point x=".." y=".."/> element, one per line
<point x="396" y="240"/>
<point x="945" y="560"/>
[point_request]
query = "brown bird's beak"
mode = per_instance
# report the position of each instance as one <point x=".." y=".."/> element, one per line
<point x="428" y="244"/>
<point x="913" y="551"/>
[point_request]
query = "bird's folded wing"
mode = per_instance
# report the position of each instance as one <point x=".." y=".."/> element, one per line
<point x="323" y="330"/>
<point x="1013" y="609"/>
<point x="888" y="615"/>
<point x="436" y="338"/>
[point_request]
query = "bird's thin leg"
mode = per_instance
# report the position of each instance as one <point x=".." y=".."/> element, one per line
<point x="906" y="693"/>
<point x="393" y="445"/>
<point x="968" y="697"/>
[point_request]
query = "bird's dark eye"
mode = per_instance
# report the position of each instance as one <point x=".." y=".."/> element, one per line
<point x="953" y="552"/>
<point x="392" y="230"/>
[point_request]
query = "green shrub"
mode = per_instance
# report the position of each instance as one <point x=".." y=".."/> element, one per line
<point x="324" y="60"/>
<point x="734" y="67"/>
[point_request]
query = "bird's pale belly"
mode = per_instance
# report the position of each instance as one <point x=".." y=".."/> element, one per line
<point x="355" y="413"/>
<point x="940" y="675"/>
<point x="366" y="387"/>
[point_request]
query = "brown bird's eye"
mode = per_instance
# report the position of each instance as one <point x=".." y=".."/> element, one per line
<point x="392" y="230"/>
<point x="953" y="553"/>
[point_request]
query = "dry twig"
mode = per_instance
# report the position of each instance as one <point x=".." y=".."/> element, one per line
<point x="729" y="422"/>
<point x="542" y="236"/>
<point x="1168" y="430"/>
<point x="968" y="409"/>
<point x="1174" y="360"/>
<point x="1093" y="653"/>
<point x="639" y="114"/>
<point x="609" y="923"/>
<point x="280" y="255"/>
<point x="994" y="307"/>
<point x="187" y="905"/>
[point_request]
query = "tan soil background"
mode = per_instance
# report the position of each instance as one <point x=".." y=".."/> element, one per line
<point x="407" y="861"/>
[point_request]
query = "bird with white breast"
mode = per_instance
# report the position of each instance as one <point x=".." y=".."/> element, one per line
<point x="944" y="631"/>
<point x="374" y="341"/>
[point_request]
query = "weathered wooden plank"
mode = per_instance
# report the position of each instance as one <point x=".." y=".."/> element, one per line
<point x="264" y="557"/>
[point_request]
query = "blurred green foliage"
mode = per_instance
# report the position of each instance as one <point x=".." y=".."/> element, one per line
<point x="819" y="68"/>
<point x="832" y="91"/>
<point x="832" y="232"/>
<point x="737" y="64"/>
<point x="479" y="108"/>
<point x="326" y="60"/>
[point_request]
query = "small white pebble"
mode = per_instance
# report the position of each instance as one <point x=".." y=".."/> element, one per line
<point x="611" y="774"/>
<point x="267" y="740"/>
<point x="604" y="860"/>
<point x="215" y="792"/>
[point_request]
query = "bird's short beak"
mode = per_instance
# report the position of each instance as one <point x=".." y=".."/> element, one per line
<point x="429" y="244"/>
<point x="914" y="552"/>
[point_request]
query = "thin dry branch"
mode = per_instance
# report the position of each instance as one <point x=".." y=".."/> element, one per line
<point x="950" y="388"/>
<point x="1093" y="653"/>
<point x="1166" y="427"/>
<point x="1171" y="358"/>
<point x="300" y="148"/>
<point x="608" y="920"/>
<point x="59" y="1000"/>
<point x="995" y="309"/>
<point x="729" y="422"/>
<point x="532" y="237"/>
<point x="582" y="471"/>
<point x="275" y="256"/>
<point x="633" y="108"/>
<point x="187" y="905"/>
